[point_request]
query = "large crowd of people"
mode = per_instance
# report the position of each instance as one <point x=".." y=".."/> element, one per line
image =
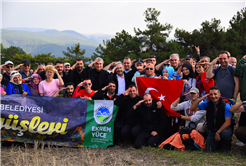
<point x="141" y="120"/>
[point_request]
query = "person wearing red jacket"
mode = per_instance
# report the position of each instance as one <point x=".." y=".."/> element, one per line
<point x="203" y="83"/>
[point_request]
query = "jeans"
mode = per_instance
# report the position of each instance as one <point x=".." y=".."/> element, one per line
<point x="225" y="140"/>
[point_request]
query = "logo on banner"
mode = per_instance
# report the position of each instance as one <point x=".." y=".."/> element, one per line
<point x="102" y="115"/>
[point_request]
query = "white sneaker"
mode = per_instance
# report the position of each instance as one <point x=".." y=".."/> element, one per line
<point x="239" y="143"/>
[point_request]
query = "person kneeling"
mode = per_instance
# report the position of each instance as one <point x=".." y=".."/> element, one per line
<point x="153" y="119"/>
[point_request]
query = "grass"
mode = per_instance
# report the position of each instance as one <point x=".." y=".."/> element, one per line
<point x="39" y="155"/>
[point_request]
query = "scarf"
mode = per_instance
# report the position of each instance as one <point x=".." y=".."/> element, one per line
<point x="31" y="81"/>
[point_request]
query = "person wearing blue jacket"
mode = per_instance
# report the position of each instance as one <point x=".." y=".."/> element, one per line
<point x="15" y="86"/>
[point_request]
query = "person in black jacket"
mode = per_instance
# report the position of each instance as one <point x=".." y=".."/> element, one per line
<point x="122" y="79"/>
<point x="219" y="121"/>
<point x="106" y="93"/>
<point x="153" y="120"/>
<point x="130" y="126"/>
<point x="97" y="75"/>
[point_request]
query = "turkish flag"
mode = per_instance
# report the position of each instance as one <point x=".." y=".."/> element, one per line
<point x="166" y="91"/>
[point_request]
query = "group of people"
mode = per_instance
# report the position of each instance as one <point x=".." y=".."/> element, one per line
<point x="141" y="120"/>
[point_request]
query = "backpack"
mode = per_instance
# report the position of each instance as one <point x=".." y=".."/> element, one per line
<point x="229" y="67"/>
<point x="189" y="143"/>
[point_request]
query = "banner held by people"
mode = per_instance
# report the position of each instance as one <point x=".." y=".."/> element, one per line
<point x="54" y="121"/>
<point x="166" y="91"/>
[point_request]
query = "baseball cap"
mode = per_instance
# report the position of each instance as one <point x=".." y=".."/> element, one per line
<point x="194" y="90"/>
<point x="65" y="64"/>
<point x="188" y="56"/>
<point x="26" y="62"/>
<point x="9" y="62"/>
<point x="139" y="60"/>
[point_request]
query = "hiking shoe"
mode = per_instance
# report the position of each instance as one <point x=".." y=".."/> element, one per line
<point x="239" y="143"/>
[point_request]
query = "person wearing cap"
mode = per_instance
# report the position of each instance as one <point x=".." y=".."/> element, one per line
<point x="198" y="116"/>
<point x="67" y="67"/>
<point x="25" y="72"/>
<point x="9" y="67"/>
<point x="219" y="120"/>
<point x="15" y="85"/>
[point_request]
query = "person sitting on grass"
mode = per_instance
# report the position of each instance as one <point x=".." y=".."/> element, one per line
<point x="218" y="120"/>
<point x="153" y="121"/>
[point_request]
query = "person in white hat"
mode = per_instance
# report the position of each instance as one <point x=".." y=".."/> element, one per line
<point x="15" y="85"/>
<point x="197" y="117"/>
<point x="9" y="67"/>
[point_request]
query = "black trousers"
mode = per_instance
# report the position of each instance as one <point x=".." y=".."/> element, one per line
<point x="145" y="138"/>
<point x="130" y="132"/>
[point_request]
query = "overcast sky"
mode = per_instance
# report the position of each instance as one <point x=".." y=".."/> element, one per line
<point x="109" y="17"/>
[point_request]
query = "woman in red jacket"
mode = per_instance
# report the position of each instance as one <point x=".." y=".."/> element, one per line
<point x="203" y="83"/>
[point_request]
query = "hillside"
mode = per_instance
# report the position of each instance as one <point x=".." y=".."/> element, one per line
<point x="48" y="41"/>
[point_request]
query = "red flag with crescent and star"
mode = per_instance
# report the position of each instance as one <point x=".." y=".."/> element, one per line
<point x="166" y="91"/>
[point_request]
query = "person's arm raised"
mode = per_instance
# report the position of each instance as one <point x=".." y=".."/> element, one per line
<point x="194" y="106"/>
<point x="210" y="73"/>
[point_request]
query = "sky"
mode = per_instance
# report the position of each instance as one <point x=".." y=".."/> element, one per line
<point x="109" y="17"/>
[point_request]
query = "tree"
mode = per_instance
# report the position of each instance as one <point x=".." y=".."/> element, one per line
<point x="153" y="39"/>
<point x="119" y="47"/>
<point x="8" y="53"/>
<point x="210" y="37"/>
<point x="2" y="60"/>
<point x="75" y="52"/>
<point x="17" y="58"/>
<point x="45" y="58"/>
<point x="236" y="34"/>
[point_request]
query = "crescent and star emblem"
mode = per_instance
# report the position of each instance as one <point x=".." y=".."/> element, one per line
<point x="161" y="97"/>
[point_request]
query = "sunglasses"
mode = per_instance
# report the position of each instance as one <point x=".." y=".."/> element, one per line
<point x="204" y="61"/>
<point x="26" y="65"/>
<point x="9" y="66"/>
<point x="87" y="84"/>
<point x="166" y="64"/>
<point x="112" y="86"/>
<point x="149" y="68"/>
<point x="14" y="73"/>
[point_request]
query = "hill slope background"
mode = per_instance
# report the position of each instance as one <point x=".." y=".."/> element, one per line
<point x="35" y="41"/>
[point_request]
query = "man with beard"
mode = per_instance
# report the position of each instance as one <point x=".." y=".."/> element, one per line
<point x="153" y="120"/>
<point x="68" y="93"/>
